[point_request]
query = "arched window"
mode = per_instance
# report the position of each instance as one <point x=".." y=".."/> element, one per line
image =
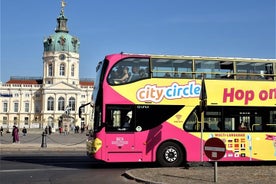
<point x="72" y="103"/>
<point x="62" y="69"/>
<point x="72" y="70"/>
<point x="50" y="69"/>
<point x="61" y="104"/>
<point x="50" y="104"/>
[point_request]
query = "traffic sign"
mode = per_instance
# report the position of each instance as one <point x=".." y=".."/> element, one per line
<point x="214" y="148"/>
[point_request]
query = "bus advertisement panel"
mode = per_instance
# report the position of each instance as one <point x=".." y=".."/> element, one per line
<point x="155" y="115"/>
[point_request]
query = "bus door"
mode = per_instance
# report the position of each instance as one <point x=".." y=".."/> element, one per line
<point x="120" y="137"/>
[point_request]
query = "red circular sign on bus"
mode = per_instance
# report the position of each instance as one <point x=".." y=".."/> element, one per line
<point x="214" y="148"/>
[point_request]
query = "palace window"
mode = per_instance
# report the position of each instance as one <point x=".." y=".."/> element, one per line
<point x="72" y="103"/>
<point x="5" y="120"/>
<point x="50" y="104"/>
<point x="5" y="107"/>
<point x="72" y="70"/>
<point x="26" y="121"/>
<point x="61" y="104"/>
<point x="50" y="69"/>
<point x="27" y="106"/>
<point x="16" y="107"/>
<point x="62" y="69"/>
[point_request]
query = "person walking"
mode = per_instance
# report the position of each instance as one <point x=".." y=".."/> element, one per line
<point x="24" y="131"/>
<point x="46" y="130"/>
<point x="60" y="130"/>
<point x="15" y="134"/>
<point x="1" y="131"/>
<point x="50" y="130"/>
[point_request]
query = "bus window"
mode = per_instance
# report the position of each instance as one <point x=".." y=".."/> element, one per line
<point x="254" y="70"/>
<point x="269" y="71"/>
<point x="184" y="68"/>
<point x="119" y="118"/>
<point x="233" y="119"/>
<point x="214" y="69"/>
<point x="213" y="119"/>
<point x="271" y="125"/>
<point x="129" y="70"/>
<point x="229" y="124"/>
<point x="257" y="124"/>
<point x="172" y="68"/>
<point x="192" y="122"/>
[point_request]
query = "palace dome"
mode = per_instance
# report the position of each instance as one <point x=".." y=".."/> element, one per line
<point x="61" y="40"/>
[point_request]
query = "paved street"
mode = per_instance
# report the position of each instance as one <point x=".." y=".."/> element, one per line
<point x="57" y="167"/>
<point x="64" y="161"/>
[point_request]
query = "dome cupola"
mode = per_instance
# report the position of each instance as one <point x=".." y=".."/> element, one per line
<point x="61" y="40"/>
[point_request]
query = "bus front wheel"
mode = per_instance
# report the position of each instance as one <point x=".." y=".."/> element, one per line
<point x="170" y="154"/>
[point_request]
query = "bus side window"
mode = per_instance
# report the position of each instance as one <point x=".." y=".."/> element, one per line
<point x="257" y="127"/>
<point x="271" y="127"/>
<point x="192" y="123"/>
<point x="197" y="127"/>
<point x="206" y="127"/>
<point x="119" y="118"/>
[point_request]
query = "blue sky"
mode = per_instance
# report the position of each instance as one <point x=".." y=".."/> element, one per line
<point x="236" y="28"/>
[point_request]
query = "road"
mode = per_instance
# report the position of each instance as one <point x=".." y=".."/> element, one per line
<point x="59" y="167"/>
<point x="64" y="161"/>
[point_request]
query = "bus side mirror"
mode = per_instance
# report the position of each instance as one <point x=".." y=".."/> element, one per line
<point x="80" y="108"/>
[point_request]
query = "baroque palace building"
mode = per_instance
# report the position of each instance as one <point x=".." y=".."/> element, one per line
<point x="52" y="100"/>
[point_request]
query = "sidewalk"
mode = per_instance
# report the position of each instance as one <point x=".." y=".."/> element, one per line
<point x="205" y="174"/>
<point x="53" y="142"/>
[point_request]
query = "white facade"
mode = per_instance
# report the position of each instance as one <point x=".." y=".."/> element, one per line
<point x="26" y="105"/>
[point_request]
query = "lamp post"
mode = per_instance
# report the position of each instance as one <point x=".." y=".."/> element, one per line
<point x="43" y="141"/>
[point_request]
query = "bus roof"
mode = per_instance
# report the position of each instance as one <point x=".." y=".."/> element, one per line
<point x="122" y="54"/>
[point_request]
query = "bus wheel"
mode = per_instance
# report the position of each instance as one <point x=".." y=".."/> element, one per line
<point x="170" y="154"/>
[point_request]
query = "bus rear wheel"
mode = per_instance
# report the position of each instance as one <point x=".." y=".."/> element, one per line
<point x="170" y="154"/>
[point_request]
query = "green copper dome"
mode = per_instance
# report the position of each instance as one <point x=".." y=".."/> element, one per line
<point x="61" y="40"/>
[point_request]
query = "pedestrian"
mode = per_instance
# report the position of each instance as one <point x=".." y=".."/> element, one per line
<point x="15" y="134"/>
<point x="60" y="130"/>
<point x="24" y="131"/>
<point x="82" y="128"/>
<point x="46" y="130"/>
<point x="50" y="130"/>
<point x="1" y="131"/>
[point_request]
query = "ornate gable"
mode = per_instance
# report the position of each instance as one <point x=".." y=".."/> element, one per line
<point x="61" y="86"/>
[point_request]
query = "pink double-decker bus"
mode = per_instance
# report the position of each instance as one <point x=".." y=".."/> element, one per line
<point x="146" y="108"/>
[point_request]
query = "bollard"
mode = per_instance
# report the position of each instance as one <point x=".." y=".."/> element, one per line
<point x="43" y="142"/>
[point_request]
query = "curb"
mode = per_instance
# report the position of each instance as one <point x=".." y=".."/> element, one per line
<point x="128" y="175"/>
